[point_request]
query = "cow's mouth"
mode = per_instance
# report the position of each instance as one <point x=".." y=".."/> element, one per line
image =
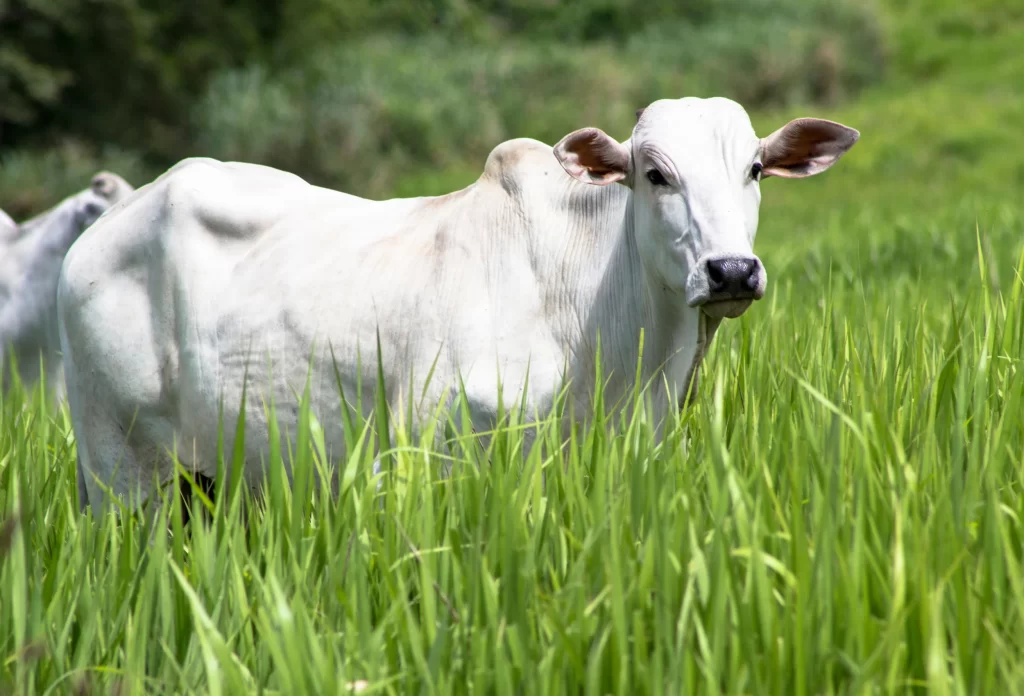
<point x="726" y="309"/>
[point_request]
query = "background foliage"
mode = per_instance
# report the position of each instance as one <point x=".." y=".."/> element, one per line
<point x="325" y="87"/>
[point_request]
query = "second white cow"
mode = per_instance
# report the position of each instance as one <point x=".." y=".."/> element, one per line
<point x="218" y="270"/>
<point x="31" y="255"/>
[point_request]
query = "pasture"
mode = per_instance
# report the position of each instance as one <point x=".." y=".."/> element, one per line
<point x="841" y="510"/>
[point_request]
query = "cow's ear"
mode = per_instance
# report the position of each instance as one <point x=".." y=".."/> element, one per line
<point x="593" y="156"/>
<point x="805" y="147"/>
<point x="104" y="184"/>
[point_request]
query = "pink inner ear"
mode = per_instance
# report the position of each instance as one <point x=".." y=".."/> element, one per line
<point x="591" y="155"/>
<point x="602" y="155"/>
<point x="806" y="146"/>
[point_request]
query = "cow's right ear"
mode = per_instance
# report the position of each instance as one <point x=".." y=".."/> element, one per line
<point x="593" y="156"/>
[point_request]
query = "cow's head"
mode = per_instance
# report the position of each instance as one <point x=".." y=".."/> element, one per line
<point x="106" y="190"/>
<point x="694" y="166"/>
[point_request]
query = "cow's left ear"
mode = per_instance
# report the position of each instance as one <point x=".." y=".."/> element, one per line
<point x="593" y="156"/>
<point x="805" y="147"/>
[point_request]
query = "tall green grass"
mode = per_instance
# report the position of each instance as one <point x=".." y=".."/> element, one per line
<point x="840" y="512"/>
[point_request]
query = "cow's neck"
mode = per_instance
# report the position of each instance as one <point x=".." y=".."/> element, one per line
<point x="621" y="300"/>
<point x="46" y="239"/>
<point x="52" y="232"/>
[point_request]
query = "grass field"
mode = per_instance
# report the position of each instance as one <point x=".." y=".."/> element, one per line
<point x="841" y="511"/>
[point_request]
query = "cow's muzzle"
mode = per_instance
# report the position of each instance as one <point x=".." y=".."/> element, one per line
<point x="725" y="286"/>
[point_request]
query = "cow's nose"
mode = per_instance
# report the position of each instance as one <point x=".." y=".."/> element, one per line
<point x="733" y="277"/>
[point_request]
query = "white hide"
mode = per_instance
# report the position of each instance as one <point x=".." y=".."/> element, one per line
<point x="30" y="260"/>
<point x="218" y="270"/>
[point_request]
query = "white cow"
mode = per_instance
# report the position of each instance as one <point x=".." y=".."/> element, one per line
<point x="30" y="260"/>
<point x="218" y="270"/>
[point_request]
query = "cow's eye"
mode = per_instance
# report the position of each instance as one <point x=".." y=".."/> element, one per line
<point x="656" y="177"/>
<point x="756" y="170"/>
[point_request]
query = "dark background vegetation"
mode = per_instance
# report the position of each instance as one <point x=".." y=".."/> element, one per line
<point x="364" y="94"/>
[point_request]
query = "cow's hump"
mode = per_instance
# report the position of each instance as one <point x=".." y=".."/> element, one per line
<point x="517" y="159"/>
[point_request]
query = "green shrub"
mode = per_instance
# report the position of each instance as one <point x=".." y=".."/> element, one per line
<point x="309" y="85"/>
<point x="364" y="114"/>
<point x="118" y="71"/>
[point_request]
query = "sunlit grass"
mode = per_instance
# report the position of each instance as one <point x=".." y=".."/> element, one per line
<point x="839" y="512"/>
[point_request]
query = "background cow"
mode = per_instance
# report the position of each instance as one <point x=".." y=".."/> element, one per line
<point x="30" y="261"/>
<point x="218" y="270"/>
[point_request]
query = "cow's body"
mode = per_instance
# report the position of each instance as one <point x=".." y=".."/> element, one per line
<point x="217" y="270"/>
<point x="30" y="263"/>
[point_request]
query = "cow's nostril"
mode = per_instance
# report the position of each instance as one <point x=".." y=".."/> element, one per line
<point x="754" y="275"/>
<point x="716" y="274"/>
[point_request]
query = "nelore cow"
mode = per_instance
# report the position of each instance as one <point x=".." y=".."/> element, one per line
<point x="31" y="255"/>
<point x="217" y="273"/>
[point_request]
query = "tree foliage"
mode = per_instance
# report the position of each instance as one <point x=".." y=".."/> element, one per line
<point x="308" y="85"/>
<point x="118" y="70"/>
